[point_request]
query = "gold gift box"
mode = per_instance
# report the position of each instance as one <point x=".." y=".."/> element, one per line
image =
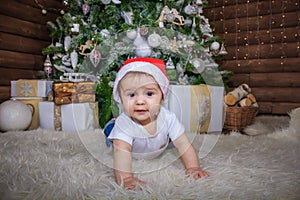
<point x="74" y="92"/>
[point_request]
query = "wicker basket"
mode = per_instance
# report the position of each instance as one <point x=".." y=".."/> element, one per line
<point x="238" y="118"/>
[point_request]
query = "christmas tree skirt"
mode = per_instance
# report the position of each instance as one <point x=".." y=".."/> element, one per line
<point x="42" y="164"/>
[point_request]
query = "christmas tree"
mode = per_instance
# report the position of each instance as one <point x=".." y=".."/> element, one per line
<point x="94" y="37"/>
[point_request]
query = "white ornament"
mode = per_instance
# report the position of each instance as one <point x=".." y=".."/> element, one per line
<point x="154" y="40"/>
<point x="15" y="115"/>
<point x="142" y="47"/>
<point x="106" y="1"/>
<point x="131" y="34"/>
<point x="75" y="28"/>
<point x="66" y="60"/>
<point x="164" y="41"/>
<point x="127" y="17"/>
<point x="95" y="57"/>
<point x="198" y="64"/>
<point x="67" y="43"/>
<point x="74" y="59"/>
<point x="215" y="46"/>
<point x="105" y="33"/>
<point x="116" y="1"/>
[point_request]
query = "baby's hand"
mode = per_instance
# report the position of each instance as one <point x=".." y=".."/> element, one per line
<point x="196" y="172"/>
<point x="131" y="183"/>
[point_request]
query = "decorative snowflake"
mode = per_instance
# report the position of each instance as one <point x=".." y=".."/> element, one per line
<point x="26" y="89"/>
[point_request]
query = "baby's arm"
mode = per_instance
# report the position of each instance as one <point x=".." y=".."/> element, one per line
<point x="189" y="157"/>
<point x="123" y="165"/>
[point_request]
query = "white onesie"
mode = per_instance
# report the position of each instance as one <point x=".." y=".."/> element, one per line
<point x="144" y="145"/>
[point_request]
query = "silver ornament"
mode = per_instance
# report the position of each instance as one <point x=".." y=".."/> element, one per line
<point x="95" y="57"/>
<point x="74" y="59"/>
<point x="154" y="40"/>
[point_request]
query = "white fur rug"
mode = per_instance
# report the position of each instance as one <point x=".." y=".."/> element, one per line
<point x="43" y="164"/>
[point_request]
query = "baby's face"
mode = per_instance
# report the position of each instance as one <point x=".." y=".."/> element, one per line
<point x="141" y="97"/>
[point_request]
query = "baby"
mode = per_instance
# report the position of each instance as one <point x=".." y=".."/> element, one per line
<point x="144" y="129"/>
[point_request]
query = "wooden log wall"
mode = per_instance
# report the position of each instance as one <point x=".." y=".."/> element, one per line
<point x="262" y="40"/>
<point x="23" y="35"/>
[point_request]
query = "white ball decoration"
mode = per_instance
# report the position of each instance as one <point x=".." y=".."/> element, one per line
<point x="131" y="34"/>
<point x="14" y="115"/>
<point x="215" y="46"/>
<point x="154" y="40"/>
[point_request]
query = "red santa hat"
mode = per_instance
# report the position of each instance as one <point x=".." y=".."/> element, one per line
<point x="152" y="66"/>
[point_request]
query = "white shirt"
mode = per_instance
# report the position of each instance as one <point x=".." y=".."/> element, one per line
<point x="144" y="145"/>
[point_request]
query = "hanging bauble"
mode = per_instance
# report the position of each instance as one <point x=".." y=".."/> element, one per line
<point x="188" y="22"/>
<point x="190" y="10"/>
<point x="67" y="43"/>
<point x="131" y="34"/>
<point x="164" y="42"/>
<point x="105" y="33"/>
<point x="66" y="60"/>
<point x="127" y="16"/>
<point x="74" y="59"/>
<point x="199" y="2"/>
<point x="223" y="50"/>
<point x="95" y="56"/>
<point x="106" y="1"/>
<point x="143" y="30"/>
<point x="75" y="28"/>
<point x="198" y="64"/>
<point x="154" y="40"/>
<point x="86" y="8"/>
<point x="215" y="46"/>
<point x="116" y="1"/>
<point x="142" y="47"/>
<point x="48" y="67"/>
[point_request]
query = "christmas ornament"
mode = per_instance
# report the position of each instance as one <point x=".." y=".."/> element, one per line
<point x="48" y="67"/>
<point x="190" y="10"/>
<point x="223" y="50"/>
<point x="198" y="64"/>
<point x="74" y="59"/>
<point x="106" y="1"/>
<point x="116" y="1"/>
<point x="142" y="47"/>
<point x="154" y="40"/>
<point x="67" y="43"/>
<point x="15" y="115"/>
<point x="105" y="33"/>
<point x="170" y="70"/>
<point x="164" y="42"/>
<point x="75" y="28"/>
<point x="95" y="57"/>
<point x="86" y="8"/>
<point x="66" y="60"/>
<point x="143" y="30"/>
<point x="215" y="46"/>
<point x="127" y="16"/>
<point x="131" y="34"/>
<point x="85" y="49"/>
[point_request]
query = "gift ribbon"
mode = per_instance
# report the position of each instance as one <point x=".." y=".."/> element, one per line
<point x="57" y="118"/>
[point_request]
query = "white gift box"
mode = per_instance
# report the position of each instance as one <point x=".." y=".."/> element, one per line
<point x="68" y="117"/>
<point x="31" y="88"/>
<point x="200" y="108"/>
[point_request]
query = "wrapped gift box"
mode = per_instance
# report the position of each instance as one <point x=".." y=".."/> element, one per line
<point x="34" y="103"/>
<point x="74" y="92"/>
<point x="31" y="88"/>
<point x="199" y="107"/>
<point x="68" y="117"/>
